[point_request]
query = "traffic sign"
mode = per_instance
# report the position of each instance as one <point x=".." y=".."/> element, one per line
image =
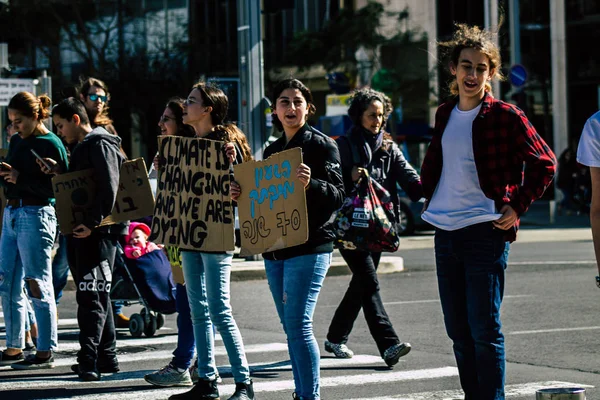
<point x="10" y="87"/>
<point x="517" y="75"/>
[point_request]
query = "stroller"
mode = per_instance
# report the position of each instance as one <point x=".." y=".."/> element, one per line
<point x="148" y="281"/>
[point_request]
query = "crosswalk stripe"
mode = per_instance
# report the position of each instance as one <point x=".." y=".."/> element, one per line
<point x="226" y="390"/>
<point x="168" y="354"/>
<point x="525" y="389"/>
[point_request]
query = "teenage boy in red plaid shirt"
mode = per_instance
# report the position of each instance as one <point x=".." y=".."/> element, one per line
<point x="484" y="167"/>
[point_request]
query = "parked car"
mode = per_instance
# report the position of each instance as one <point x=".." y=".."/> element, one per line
<point x="410" y="215"/>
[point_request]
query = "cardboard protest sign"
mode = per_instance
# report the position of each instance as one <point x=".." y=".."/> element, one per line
<point x="193" y="209"/>
<point x="272" y="206"/>
<point x="3" y="154"/>
<point x="75" y="192"/>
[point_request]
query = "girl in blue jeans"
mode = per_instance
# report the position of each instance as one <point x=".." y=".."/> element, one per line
<point x="28" y="232"/>
<point x="296" y="274"/>
<point x="207" y="275"/>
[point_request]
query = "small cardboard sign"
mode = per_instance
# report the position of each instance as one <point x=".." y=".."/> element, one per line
<point x="193" y="210"/>
<point x="272" y="206"/>
<point x="3" y="154"/>
<point x="75" y="192"/>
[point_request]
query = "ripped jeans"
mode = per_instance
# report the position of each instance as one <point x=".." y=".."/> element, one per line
<point x="26" y="242"/>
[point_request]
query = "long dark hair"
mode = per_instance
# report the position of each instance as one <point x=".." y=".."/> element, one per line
<point x="101" y="119"/>
<point x="175" y="104"/>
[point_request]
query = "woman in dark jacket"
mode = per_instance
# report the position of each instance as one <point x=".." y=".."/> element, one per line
<point x="296" y="274"/>
<point x="368" y="149"/>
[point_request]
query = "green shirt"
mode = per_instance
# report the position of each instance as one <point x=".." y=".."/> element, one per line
<point x="32" y="182"/>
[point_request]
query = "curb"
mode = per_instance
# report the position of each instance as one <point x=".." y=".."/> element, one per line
<point x="242" y="270"/>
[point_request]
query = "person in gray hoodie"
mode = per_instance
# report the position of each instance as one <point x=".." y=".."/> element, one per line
<point x="91" y="249"/>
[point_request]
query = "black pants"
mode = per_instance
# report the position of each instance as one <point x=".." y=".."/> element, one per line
<point x="92" y="261"/>
<point x="363" y="292"/>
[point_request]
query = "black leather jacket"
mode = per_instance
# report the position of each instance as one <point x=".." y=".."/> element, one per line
<point x="324" y="194"/>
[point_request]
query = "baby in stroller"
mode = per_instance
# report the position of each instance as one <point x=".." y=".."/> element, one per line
<point x="148" y="270"/>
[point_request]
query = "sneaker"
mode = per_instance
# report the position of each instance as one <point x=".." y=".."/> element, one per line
<point x="30" y="347"/>
<point x="169" y="376"/>
<point x="393" y="353"/>
<point x="121" y="321"/>
<point x="89" y="376"/>
<point x="243" y="391"/>
<point x="339" y="350"/>
<point x="195" y="376"/>
<point x="202" y="390"/>
<point x="33" y="362"/>
<point x="5" y="359"/>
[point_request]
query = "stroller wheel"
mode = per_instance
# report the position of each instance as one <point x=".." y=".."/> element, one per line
<point x="150" y="329"/>
<point x="160" y="320"/>
<point x="136" y="325"/>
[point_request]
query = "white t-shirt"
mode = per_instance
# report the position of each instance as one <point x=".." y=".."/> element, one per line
<point x="588" y="152"/>
<point x="458" y="200"/>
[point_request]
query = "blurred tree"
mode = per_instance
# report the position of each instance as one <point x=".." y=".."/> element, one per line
<point x="108" y="39"/>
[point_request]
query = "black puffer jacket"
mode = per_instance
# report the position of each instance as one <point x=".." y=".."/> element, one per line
<point x="387" y="165"/>
<point x="324" y="194"/>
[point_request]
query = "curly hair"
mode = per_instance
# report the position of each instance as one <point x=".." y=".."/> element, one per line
<point x="473" y="37"/>
<point x="361" y="99"/>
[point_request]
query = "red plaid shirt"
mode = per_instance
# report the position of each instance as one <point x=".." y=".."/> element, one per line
<point x="514" y="164"/>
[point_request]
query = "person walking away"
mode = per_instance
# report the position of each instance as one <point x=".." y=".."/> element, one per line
<point x="91" y="249"/>
<point x="28" y="231"/>
<point x="381" y="159"/>
<point x="296" y="274"/>
<point x="484" y="167"/>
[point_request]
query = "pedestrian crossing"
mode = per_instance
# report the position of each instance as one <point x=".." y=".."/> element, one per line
<point x="341" y="378"/>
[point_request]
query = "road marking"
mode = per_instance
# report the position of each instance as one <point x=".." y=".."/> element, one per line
<point x="578" y="262"/>
<point x="394" y="303"/>
<point x="583" y="328"/>
<point x="125" y="381"/>
<point x="168" y="354"/>
<point x="526" y="389"/>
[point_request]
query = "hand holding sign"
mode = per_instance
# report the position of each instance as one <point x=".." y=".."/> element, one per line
<point x="235" y="190"/>
<point x="303" y="174"/>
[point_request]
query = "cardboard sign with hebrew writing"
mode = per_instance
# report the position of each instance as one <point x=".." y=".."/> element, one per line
<point x="3" y="154"/>
<point x="272" y="206"/>
<point x="193" y="209"/>
<point x="75" y="193"/>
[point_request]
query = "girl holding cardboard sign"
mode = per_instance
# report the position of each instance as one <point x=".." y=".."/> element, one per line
<point x="207" y="275"/>
<point x="295" y="274"/>
<point x="28" y="232"/>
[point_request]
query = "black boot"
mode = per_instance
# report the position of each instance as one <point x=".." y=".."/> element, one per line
<point x="243" y="391"/>
<point x="202" y="390"/>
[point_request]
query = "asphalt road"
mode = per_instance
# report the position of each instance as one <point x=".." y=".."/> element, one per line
<point x="550" y="317"/>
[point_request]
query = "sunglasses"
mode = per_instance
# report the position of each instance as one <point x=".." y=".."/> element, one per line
<point x="94" y="97"/>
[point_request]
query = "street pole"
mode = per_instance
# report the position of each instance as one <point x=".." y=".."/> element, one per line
<point x="250" y="63"/>
<point x="490" y="10"/>
<point x="560" y="115"/>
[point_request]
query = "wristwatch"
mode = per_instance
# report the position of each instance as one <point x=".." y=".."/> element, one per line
<point x="598" y="281"/>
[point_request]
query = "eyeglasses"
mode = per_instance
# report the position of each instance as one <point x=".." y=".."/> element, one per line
<point x="94" y="97"/>
<point x="189" y="101"/>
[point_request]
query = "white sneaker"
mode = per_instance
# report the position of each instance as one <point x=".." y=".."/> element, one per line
<point x="339" y="350"/>
<point x="169" y="376"/>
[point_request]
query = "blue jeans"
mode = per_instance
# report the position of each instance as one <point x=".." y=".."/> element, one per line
<point x="60" y="267"/>
<point x="470" y="269"/>
<point x="207" y="277"/>
<point x="186" y="345"/>
<point x="295" y="284"/>
<point x="25" y="253"/>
